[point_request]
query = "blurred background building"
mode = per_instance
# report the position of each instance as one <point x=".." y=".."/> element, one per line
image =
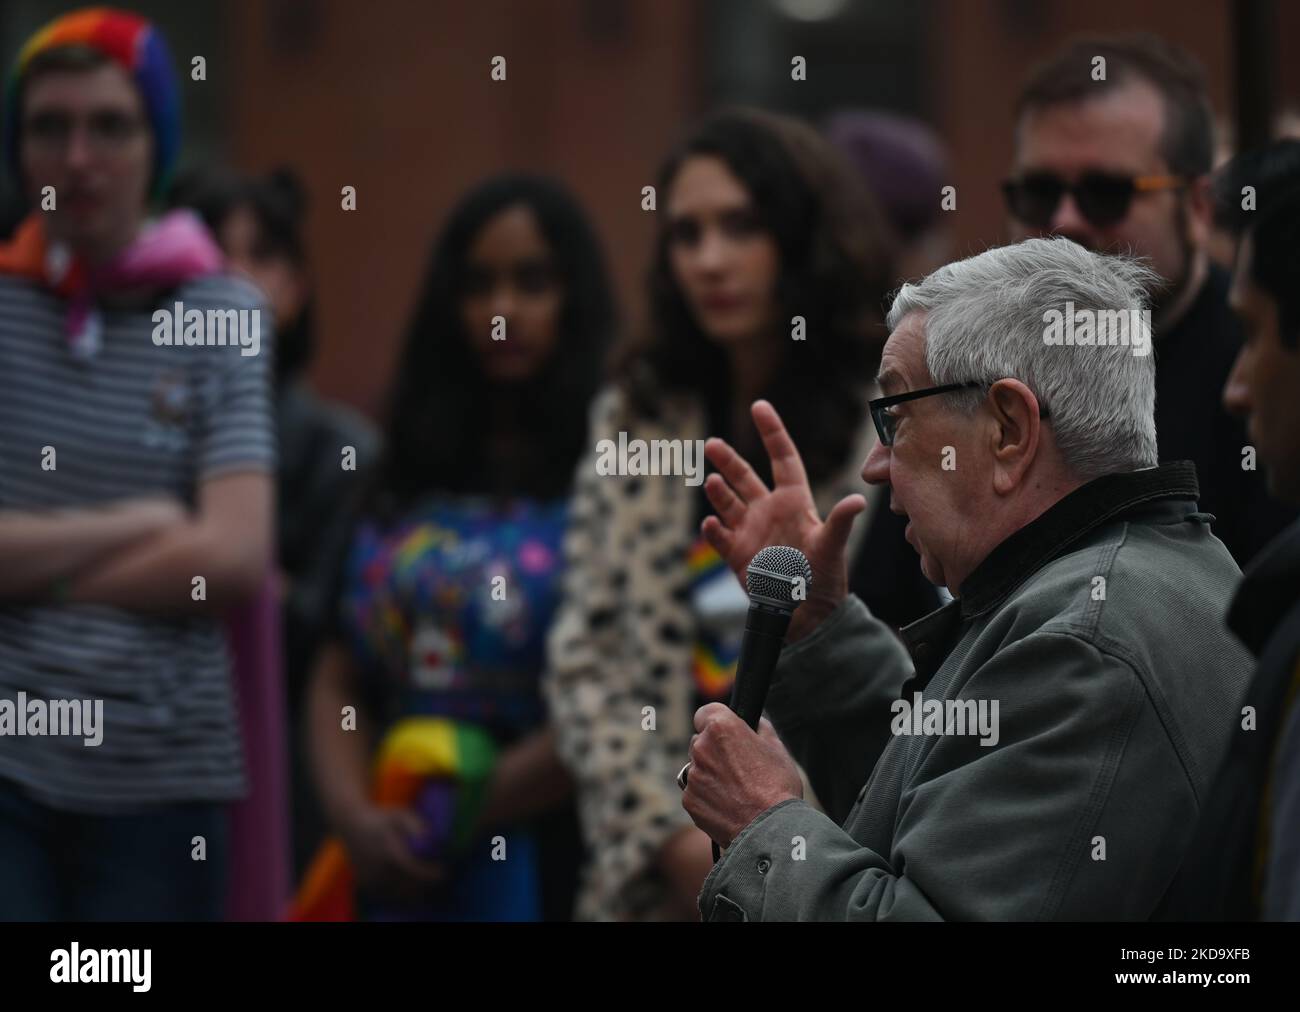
<point x="396" y="98"/>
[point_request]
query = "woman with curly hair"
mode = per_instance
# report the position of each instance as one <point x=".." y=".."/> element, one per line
<point x="450" y="803"/>
<point x="768" y="282"/>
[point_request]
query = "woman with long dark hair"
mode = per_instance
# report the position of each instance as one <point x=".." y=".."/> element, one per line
<point x="452" y="576"/>
<point x="768" y="281"/>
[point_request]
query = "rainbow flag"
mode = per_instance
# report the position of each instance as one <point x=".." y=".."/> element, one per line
<point x="436" y="766"/>
<point x="713" y="661"/>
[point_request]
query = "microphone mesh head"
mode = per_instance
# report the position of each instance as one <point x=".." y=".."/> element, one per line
<point x="774" y="573"/>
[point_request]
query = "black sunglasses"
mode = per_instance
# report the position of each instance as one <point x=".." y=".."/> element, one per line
<point x="1102" y="198"/>
<point x="887" y="424"/>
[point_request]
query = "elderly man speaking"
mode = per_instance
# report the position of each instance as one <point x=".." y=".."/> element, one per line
<point x="1044" y="750"/>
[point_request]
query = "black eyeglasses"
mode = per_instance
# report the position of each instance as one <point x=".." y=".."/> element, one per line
<point x="107" y="132"/>
<point x="1102" y="198"/>
<point x="887" y="424"/>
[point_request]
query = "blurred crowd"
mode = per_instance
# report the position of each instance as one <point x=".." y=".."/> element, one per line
<point x="435" y="666"/>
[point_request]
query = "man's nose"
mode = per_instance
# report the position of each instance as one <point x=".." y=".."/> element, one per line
<point x="1067" y="221"/>
<point x="876" y="470"/>
<point x="78" y="152"/>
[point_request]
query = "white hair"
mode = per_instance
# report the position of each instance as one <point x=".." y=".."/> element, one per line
<point x="986" y="320"/>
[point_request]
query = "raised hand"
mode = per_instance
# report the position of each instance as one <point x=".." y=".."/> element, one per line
<point x="751" y="516"/>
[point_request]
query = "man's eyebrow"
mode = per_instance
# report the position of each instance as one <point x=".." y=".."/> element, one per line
<point x="888" y="378"/>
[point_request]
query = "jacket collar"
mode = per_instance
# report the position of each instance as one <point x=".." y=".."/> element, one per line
<point x="1087" y="507"/>
<point x="1029" y="549"/>
<point x="1269" y="589"/>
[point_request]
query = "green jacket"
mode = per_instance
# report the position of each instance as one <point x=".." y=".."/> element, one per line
<point x="1098" y="687"/>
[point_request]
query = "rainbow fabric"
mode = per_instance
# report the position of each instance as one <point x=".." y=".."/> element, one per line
<point x="713" y="661"/>
<point x="439" y="768"/>
<point x="129" y="41"/>
<point x="167" y="253"/>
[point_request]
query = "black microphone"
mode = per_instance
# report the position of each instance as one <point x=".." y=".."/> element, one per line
<point x="777" y="580"/>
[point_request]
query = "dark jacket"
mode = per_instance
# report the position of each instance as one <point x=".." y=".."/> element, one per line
<point x="1097" y="630"/>
<point x="1193" y="360"/>
<point x="316" y="495"/>
<point x="1245" y="860"/>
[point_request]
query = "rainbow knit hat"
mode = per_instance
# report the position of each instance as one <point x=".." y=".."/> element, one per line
<point x="133" y="44"/>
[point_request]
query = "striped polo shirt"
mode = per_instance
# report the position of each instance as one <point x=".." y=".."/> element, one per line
<point x="136" y="419"/>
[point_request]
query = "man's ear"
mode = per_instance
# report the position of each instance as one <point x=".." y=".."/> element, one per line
<point x="1016" y="430"/>
<point x="1200" y="211"/>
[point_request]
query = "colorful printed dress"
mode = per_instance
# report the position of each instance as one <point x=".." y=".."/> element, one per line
<point x="446" y="613"/>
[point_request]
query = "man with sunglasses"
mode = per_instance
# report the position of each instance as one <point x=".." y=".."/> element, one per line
<point x="1087" y="623"/>
<point x="1120" y="164"/>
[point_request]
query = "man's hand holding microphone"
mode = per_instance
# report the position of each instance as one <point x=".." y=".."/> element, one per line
<point x="735" y="773"/>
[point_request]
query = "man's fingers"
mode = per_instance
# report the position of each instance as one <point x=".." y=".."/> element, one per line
<point x="767" y="732"/>
<point x="711" y="713"/>
<point x="722" y="540"/>
<point x="740" y="476"/>
<point x="730" y="507"/>
<point x="787" y="466"/>
<point x="840" y="522"/>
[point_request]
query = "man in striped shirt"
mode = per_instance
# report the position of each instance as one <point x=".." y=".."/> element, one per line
<point x="135" y="497"/>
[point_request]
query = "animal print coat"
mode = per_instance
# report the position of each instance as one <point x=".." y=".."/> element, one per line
<point x="622" y="641"/>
